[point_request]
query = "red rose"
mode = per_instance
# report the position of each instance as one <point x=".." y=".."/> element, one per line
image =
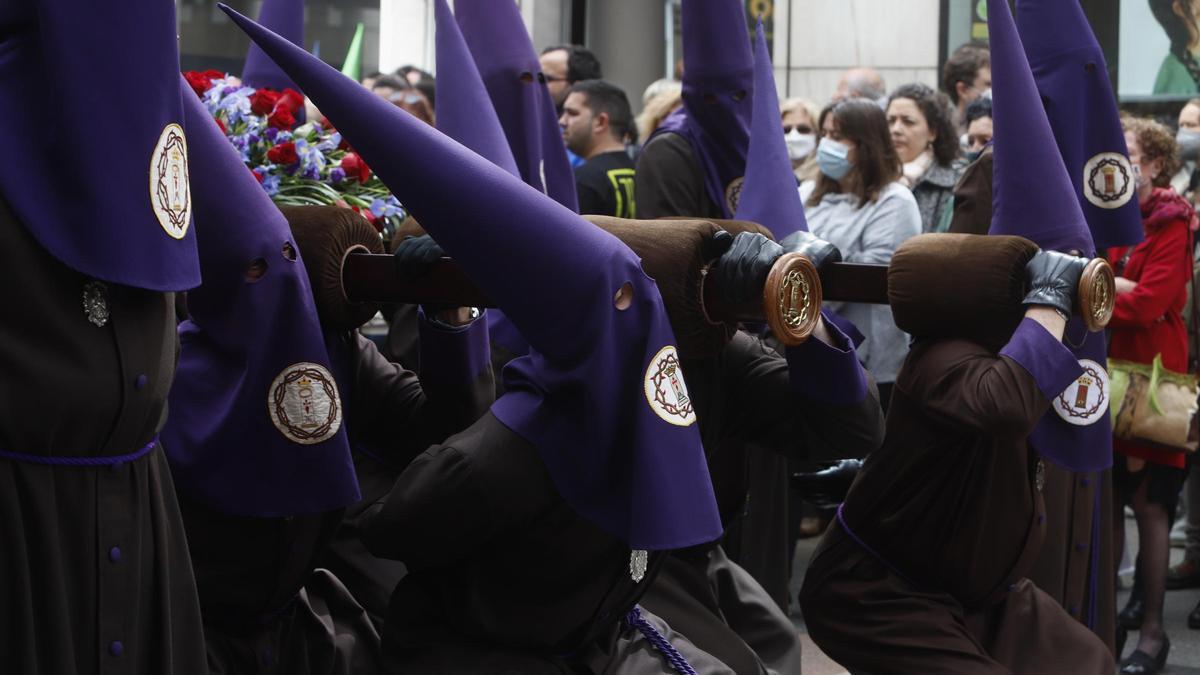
<point x="263" y="101"/>
<point x="353" y="165"/>
<point x="221" y="124"/>
<point x="366" y="213"/>
<point x="284" y="153"/>
<point x="200" y="82"/>
<point x="293" y="99"/>
<point x="282" y="118"/>
<point x="257" y="176"/>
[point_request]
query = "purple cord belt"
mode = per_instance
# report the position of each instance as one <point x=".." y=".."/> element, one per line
<point x="866" y="547"/>
<point x="635" y="620"/>
<point x="78" y="461"/>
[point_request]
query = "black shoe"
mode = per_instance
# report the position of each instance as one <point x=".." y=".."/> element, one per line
<point x="1194" y="618"/>
<point x="1141" y="663"/>
<point x="1131" y="616"/>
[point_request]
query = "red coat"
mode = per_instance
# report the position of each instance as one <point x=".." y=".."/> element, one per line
<point x="1147" y="321"/>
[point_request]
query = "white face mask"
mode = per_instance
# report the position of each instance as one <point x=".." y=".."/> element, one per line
<point x="800" y="145"/>
<point x="1139" y="179"/>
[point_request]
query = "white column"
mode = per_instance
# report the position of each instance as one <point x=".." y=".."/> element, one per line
<point x="405" y="34"/>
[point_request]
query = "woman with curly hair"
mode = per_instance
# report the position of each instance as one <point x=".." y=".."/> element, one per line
<point x="921" y="123"/>
<point x="1152" y="281"/>
<point x="1180" y="70"/>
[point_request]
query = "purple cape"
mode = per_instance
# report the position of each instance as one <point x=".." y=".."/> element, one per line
<point x="256" y="425"/>
<point x="103" y="188"/>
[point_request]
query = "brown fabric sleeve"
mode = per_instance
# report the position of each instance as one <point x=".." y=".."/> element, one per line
<point x="963" y="385"/>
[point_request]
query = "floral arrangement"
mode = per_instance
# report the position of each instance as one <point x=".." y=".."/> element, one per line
<point x="301" y="165"/>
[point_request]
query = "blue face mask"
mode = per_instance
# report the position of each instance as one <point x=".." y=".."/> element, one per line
<point x="972" y="155"/>
<point x="832" y="158"/>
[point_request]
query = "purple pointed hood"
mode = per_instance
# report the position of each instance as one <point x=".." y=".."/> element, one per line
<point x="256" y="424"/>
<point x="466" y="113"/>
<point x="600" y="395"/>
<point x="1031" y="186"/>
<point x="77" y="172"/>
<point x="769" y="195"/>
<point x="509" y="66"/>
<point x="285" y="17"/>
<point x="1072" y="78"/>
<point x="1029" y="179"/>
<point x="718" y="89"/>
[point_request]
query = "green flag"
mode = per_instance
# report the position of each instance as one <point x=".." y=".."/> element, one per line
<point x="353" y="66"/>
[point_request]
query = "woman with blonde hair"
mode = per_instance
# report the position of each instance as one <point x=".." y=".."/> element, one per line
<point x="660" y="99"/>
<point x="800" y="130"/>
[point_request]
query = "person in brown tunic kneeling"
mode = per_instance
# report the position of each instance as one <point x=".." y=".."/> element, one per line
<point x="924" y="570"/>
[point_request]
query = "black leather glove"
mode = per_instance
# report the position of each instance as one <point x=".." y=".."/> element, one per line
<point x="1054" y="280"/>
<point x="415" y="256"/>
<point x="812" y="247"/>
<point x="742" y="270"/>
<point x="828" y="487"/>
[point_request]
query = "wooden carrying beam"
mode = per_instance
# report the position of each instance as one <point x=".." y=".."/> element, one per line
<point x="791" y="300"/>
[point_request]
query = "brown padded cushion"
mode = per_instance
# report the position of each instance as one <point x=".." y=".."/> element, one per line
<point x="672" y="253"/>
<point x="325" y="235"/>
<point x="960" y="286"/>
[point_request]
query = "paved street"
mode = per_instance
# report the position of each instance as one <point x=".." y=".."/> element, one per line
<point x="1185" y="644"/>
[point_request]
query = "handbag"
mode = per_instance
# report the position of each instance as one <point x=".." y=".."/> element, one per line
<point x="1155" y="406"/>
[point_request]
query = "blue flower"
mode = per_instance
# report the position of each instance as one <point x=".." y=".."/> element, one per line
<point x="336" y="175"/>
<point x="384" y="208"/>
<point x="271" y="184"/>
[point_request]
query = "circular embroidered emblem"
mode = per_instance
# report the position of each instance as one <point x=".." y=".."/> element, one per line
<point x="666" y="391"/>
<point x="170" y="193"/>
<point x="733" y="193"/>
<point x="304" y="405"/>
<point x="1108" y="180"/>
<point x="1085" y="401"/>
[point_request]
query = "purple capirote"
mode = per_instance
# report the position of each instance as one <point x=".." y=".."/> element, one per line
<point x="588" y="394"/>
<point x="285" y="17"/>
<point x="509" y="66"/>
<point x="1029" y="180"/>
<point x="465" y="112"/>
<point x="225" y="450"/>
<point x="718" y="87"/>
<point x="1072" y="78"/>
<point x="769" y="194"/>
<point x="77" y="175"/>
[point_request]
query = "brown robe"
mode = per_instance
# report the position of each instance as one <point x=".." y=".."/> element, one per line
<point x="744" y="396"/>
<point x="503" y="575"/>
<point x="94" y="571"/>
<point x="1063" y="569"/>
<point x="952" y="510"/>
<point x="390" y="420"/>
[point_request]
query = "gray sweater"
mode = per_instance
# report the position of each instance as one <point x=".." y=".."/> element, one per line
<point x="868" y="235"/>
